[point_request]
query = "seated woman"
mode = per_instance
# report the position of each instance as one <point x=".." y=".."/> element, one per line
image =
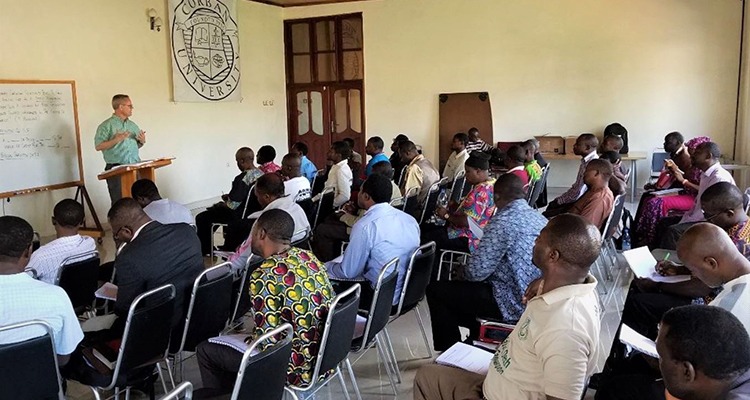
<point x="653" y="208"/>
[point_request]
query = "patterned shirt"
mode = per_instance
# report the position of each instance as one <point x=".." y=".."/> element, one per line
<point x="293" y="287"/>
<point x="241" y="186"/>
<point x="503" y="258"/>
<point x="534" y="170"/>
<point x="125" y="152"/>
<point x="478" y="205"/>
<point x="269" y="167"/>
<point x="740" y="235"/>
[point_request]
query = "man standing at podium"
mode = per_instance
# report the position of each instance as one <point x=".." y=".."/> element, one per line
<point x="119" y="138"/>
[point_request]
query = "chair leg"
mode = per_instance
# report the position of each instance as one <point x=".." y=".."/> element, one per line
<point x="351" y="378"/>
<point x="127" y="393"/>
<point x="96" y="393"/>
<point x="424" y="333"/>
<point x="343" y="382"/>
<point x="291" y="393"/>
<point x="386" y="365"/>
<point x="391" y="355"/>
<point x="161" y="377"/>
<point x="117" y="393"/>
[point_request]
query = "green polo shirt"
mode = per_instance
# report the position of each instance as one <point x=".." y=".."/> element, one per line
<point x="125" y="152"/>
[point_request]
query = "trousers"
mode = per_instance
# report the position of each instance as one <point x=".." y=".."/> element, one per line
<point x="435" y="381"/>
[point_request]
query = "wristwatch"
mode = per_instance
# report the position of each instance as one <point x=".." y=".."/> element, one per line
<point x="446" y="216"/>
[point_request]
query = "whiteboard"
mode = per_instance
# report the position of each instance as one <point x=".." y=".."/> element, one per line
<point x="40" y="143"/>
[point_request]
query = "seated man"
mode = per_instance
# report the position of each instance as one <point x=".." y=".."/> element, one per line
<point x="706" y="158"/>
<point x="270" y="193"/>
<point x="23" y="298"/>
<point x="596" y="204"/>
<point x="554" y="347"/>
<point x="382" y="234"/>
<point x="420" y="173"/>
<point x="67" y="217"/>
<point x="340" y="175"/>
<point x="164" y="211"/>
<point x="271" y="237"/>
<point x="337" y="227"/>
<point x="233" y="204"/>
<point x="458" y="156"/>
<point x="296" y="186"/>
<point x="374" y="149"/>
<point x="266" y="155"/>
<point x="307" y="168"/>
<point x="498" y="273"/>
<point x="617" y="183"/>
<point x="153" y="255"/>
<point x="531" y="165"/>
<point x="355" y="162"/>
<point x="585" y="147"/>
<point x="515" y="161"/>
<point x="395" y="159"/>
<point x="476" y="143"/>
<point x="718" y="367"/>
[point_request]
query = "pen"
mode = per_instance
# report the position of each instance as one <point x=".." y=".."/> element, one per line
<point x="666" y="257"/>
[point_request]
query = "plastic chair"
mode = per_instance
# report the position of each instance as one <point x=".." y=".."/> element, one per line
<point x="208" y="312"/>
<point x="144" y="344"/>
<point x="181" y="392"/>
<point x="79" y="279"/>
<point x="334" y="344"/>
<point x="377" y="318"/>
<point x="28" y="369"/>
<point x="262" y="373"/>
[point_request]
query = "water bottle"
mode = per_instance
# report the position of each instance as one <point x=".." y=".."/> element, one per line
<point x="626" y="238"/>
<point x="442" y="201"/>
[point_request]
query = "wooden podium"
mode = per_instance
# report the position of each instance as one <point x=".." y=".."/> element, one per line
<point x="129" y="173"/>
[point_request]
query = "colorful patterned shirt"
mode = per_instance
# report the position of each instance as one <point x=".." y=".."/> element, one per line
<point x="740" y="235"/>
<point x="534" y="170"/>
<point x="269" y="167"/>
<point x="478" y="205"/>
<point x="293" y="287"/>
<point x="125" y="152"/>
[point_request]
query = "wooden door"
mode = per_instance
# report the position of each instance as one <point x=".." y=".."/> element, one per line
<point x="307" y="122"/>
<point x="347" y="115"/>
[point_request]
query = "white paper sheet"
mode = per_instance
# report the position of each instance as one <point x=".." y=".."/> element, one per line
<point x="643" y="265"/>
<point x="475" y="229"/>
<point x="466" y="357"/>
<point x="638" y="341"/>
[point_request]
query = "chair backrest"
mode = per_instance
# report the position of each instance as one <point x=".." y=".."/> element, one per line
<point x="746" y="200"/>
<point x="338" y="332"/>
<point x="262" y="373"/>
<point x="241" y="301"/>
<point x="324" y="206"/>
<point x="247" y="200"/>
<point x="411" y="201"/>
<point x="210" y="307"/>
<point x="148" y="327"/>
<point x="78" y="276"/>
<point x="183" y="391"/>
<point x="457" y="185"/>
<point x="28" y="369"/>
<point x="610" y="227"/>
<point x="431" y="201"/>
<point x="302" y="242"/>
<point x="538" y="186"/>
<point x="401" y="176"/>
<point x="658" y="156"/>
<point x="317" y="185"/>
<point x="417" y="277"/>
<point x="380" y="309"/>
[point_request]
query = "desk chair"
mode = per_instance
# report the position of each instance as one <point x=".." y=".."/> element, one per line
<point x="28" y="369"/>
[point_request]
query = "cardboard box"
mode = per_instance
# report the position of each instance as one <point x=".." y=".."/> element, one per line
<point x="570" y="141"/>
<point x="551" y="144"/>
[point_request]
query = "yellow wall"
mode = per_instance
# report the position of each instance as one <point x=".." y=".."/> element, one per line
<point x="106" y="47"/>
<point x="559" y="66"/>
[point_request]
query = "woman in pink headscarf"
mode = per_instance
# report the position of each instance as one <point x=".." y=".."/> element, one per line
<point x="653" y="208"/>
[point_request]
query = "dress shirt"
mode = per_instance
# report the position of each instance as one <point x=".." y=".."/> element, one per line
<point x="714" y="174"/>
<point x="292" y="287"/>
<point x="479" y="145"/>
<point x="553" y="348"/>
<point x="455" y="164"/>
<point x="579" y="188"/>
<point x="382" y="234"/>
<point x="308" y="169"/>
<point x="301" y="226"/>
<point x="595" y="206"/>
<point x="125" y="152"/>
<point x="479" y="205"/>
<point x="269" y="167"/>
<point x="734" y="298"/>
<point x="374" y="160"/>
<point x="166" y="211"/>
<point x="297" y="189"/>
<point x="46" y="260"/>
<point x="503" y="258"/>
<point x="22" y="298"/>
<point x="340" y="179"/>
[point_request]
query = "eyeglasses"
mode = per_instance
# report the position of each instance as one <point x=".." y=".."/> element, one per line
<point x="708" y="218"/>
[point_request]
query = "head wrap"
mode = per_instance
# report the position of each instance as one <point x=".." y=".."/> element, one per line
<point x="479" y="160"/>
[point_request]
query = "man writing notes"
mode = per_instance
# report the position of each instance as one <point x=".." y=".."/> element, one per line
<point x="119" y="138"/>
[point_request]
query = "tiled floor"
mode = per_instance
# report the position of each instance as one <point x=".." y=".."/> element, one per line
<point x="411" y="352"/>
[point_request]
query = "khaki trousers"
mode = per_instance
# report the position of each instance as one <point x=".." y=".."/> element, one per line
<point x="440" y="382"/>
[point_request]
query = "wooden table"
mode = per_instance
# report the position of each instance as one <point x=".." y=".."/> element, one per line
<point x="632" y="157"/>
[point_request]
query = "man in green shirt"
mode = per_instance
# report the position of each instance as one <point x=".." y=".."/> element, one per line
<point x="119" y="138"/>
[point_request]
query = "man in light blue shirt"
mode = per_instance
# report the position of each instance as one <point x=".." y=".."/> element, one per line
<point x="307" y="168"/>
<point x="374" y="149"/>
<point x="382" y="234"/>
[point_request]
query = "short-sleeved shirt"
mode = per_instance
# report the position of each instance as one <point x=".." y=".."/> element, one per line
<point x="293" y="287"/>
<point x="46" y="261"/>
<point x="22" y="298"/>
<point x="308" y="169"/>
<point x="269" y="167"/>
<point x="552" y="349"/>
<point x="478" y="205"/>
<point x="595" y="206"/>
<point x="374" y="160"/>
<point x="125" y="152"/>
<point x="166" y="211"/>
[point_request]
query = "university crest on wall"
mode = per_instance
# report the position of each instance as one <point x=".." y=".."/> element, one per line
<point x="205" y="50"/>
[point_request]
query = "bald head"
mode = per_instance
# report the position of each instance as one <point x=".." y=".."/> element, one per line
<point x="508" y="187"/>
<point x="567" y="247"/>
<point x="709" y="253"/>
